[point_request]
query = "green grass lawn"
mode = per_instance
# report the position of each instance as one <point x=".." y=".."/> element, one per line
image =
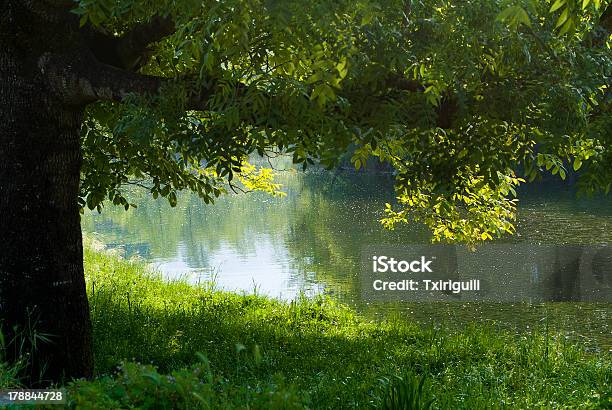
<point x="173" y="345"/>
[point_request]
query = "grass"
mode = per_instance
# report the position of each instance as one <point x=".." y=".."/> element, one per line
<point x="165" y="344"/>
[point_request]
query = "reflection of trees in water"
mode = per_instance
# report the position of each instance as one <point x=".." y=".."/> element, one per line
<point x="323" y="223"/>
<point x="579" y="272"/>
<point x="335" y="217"/>
<point x="197" y="228"/>
<point x="564" y="284"/>
<point x="601" y="266"/>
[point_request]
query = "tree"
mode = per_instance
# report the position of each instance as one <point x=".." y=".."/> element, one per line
<point x="458" y="96"/>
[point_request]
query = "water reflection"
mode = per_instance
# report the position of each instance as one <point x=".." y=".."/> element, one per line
<point x="306" y="242"/>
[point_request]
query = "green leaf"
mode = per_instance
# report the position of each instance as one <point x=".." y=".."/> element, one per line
<point x="83" y="20"/>
<point x="562" y="173"/>
<point x="557" y="5"/>
<point x="514" y="16"/>
<point x="569" y="25"/>
<point x="564" y="16"/>
<point x="523" y="17"/>
<point x="505" y="14"/>
<point x="585" y="4"/>
<point x="577" y="164"/>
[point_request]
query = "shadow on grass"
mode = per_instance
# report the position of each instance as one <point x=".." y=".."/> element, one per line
<point x="316" y="353"/>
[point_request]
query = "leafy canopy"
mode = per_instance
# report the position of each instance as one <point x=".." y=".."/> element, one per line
<point x="465" y="99"/>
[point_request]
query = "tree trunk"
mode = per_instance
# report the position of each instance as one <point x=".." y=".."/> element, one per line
<point x="43" y="304"/>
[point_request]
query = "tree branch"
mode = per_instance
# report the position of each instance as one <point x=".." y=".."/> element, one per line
<point x="133" y="46"/>
<point x="446" y="111"/>
<point x="80" y="81"/>
<point x="130" y="51"/>
<point x="399" y="82"/>
<point x="78" y="78"/>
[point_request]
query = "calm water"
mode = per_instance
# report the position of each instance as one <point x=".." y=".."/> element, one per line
<point x="310" y="242"/>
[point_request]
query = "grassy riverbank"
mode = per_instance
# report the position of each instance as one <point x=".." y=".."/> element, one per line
<point x="172" y="345"/>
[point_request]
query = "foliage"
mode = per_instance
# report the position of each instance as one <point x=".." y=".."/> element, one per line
<point x="193" y="387"/>
<point x="260" y="179"/>
<point x="465" y="100"/>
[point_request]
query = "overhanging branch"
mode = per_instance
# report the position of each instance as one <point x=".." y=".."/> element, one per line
<point x="401" y="83"/>
<point x="130" y="51"/>
<point x="133" y="47"/>
<point x="79" y="79"/>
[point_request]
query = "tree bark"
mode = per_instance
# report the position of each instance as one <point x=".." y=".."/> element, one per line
<point x="44" y="311"/>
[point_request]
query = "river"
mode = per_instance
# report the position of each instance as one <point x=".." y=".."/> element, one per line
<point x="310" y="242"/>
